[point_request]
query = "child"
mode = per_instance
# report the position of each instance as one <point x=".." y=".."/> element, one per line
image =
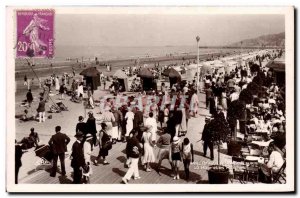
<point x="175" y="156"/>
<point x="187" y="156"/>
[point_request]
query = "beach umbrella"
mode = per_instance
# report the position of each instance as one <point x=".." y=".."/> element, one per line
<point x="166" y="72"/>
<point x="90" y="72"/>
<point x="145" y="73"/>
<point x="171" y="72"/>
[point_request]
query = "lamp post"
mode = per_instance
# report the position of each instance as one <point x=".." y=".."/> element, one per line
<point x="198" y="69"/>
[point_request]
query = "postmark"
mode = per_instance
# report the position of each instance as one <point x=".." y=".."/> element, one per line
<point x="35" y="33"/>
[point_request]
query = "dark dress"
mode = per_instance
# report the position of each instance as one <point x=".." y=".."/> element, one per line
<point x="81" y="126"/>
<point x="212" y="106"/>
<point x="29" y="97"/>
<point x="105" y="138"/>
<point x="138" y="119"/>
<point x="171" y="126"/>
<point x="177" y="116"/>
<point x="77" y="161"/>
<point x="41" y="107"/>
<point x="91" y="128"/>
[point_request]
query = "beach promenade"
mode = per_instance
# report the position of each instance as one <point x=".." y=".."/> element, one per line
<point x="112" y="173"/>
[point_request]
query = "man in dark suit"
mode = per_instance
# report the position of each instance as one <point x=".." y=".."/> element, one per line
<point x="77" y="156"/>
<point x="207" y="139"/>
<point x="138" y="118"/>
<point x="58" y="144"/>
<point x="209" y="95"/>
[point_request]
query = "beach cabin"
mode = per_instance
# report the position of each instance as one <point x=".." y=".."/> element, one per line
<point x="173" y="74"/>
<point x="147" y="79"/>
<point x="278" y="66"/>
<point x="122" y="78"/>
<point x="92" y="77"/>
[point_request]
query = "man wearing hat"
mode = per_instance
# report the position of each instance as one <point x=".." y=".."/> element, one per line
<point x="116" y="125"/>
<point x="219" y="114"/>
<point x="207" y="139"/>
<point x="58" y="144"/>
<point x="77" y="158"/>
<point x="138" y="118"/>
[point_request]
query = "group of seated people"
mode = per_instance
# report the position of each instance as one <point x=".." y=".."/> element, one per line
<point x="32" y="140"/>
<point x="262" y="103"/>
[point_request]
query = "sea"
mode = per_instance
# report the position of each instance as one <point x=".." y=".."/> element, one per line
<point x="121" y="52"/>
<point x="105" y="53"/>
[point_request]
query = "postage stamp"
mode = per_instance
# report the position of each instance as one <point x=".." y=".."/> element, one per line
<point x="35" y="34"/>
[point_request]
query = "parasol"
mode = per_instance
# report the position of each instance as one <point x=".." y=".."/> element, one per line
<point x="171" y="72"/>
<point x="90" y="72"/>
<point x="145" y="73"/>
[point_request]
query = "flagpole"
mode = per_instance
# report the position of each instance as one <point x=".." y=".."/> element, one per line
<point x="198" y="69"/>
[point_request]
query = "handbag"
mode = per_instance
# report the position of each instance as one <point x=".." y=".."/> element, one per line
<point x="107" y="145"/>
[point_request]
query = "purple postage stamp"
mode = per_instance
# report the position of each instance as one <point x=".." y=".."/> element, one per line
<point x="35" y="34"/>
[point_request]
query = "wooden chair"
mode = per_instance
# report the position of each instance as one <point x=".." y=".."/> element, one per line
<point x="252" y="170"/>
<point x="279" y="175"/>
<point x="239" y="169"/>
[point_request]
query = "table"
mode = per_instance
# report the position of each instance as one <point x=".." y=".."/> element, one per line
<point x="262" y="131"/>
<point x="262" y="143"/>
<point x="260" y="160"/>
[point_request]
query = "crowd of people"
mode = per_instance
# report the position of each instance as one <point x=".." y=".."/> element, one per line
<point x="234" y="101"/>
<point x="248" y="98"/>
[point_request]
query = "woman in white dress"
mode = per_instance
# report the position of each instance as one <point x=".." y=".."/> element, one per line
<point x="129" y="116"/>
<point x="57" y="83"/>
<point x="166" y="114"/>
<point x="194" y="104"/>
<point x="151" y="122"/>
<point x="80" y="90"/>
<point x="149" y="156"/>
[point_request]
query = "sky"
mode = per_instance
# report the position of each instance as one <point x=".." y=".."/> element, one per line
<point x="162" y="30"/>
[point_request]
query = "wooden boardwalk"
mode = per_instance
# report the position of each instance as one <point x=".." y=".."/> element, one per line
<point x="112" y="173"/>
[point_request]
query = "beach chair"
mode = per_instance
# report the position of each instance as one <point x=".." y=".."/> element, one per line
<point x="55" y="109"/>
<point x="252" y="170"/>
<point x="239" y="169"/>
<point x="61" y="106"/>
<point x="280" y="176"/>
<point x="45" y="157"/>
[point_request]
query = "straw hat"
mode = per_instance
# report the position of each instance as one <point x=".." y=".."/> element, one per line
<point x="89" y="137"/>
<point x="176" y="140"/>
